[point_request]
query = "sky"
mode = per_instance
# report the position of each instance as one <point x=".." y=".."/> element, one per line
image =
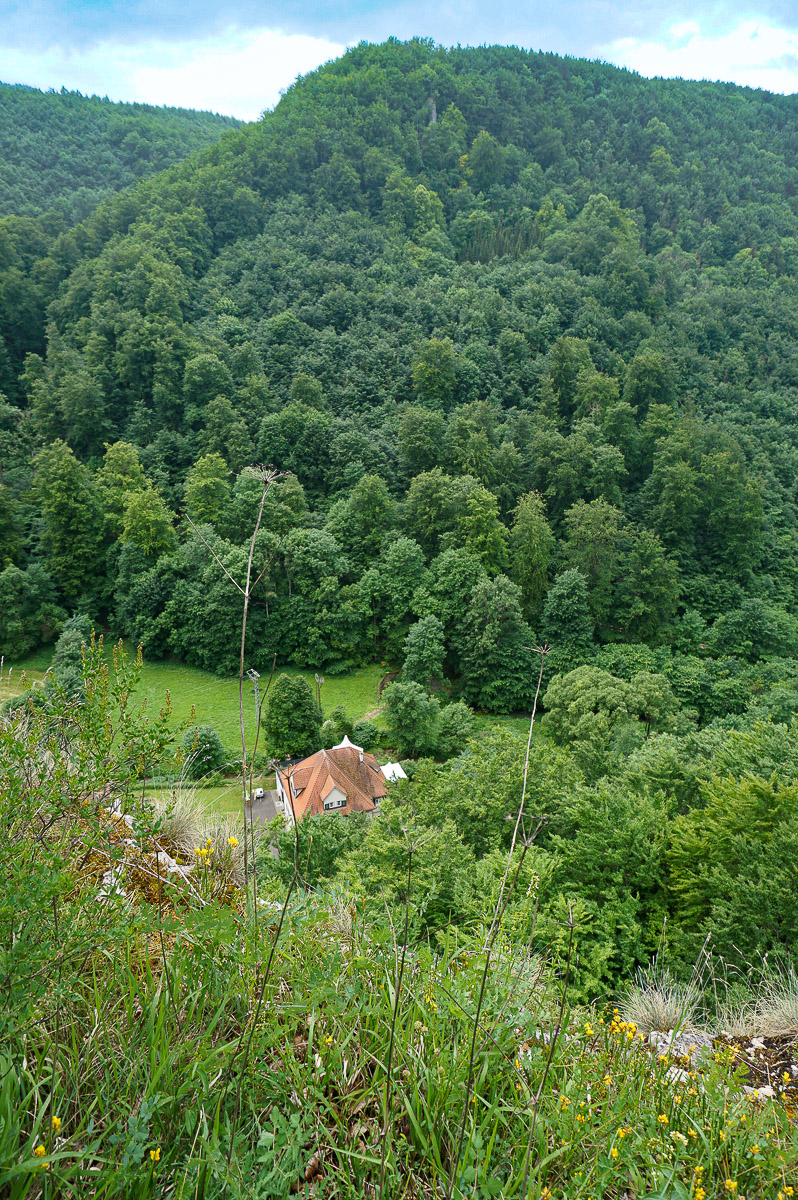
<point x="236" y="56"/>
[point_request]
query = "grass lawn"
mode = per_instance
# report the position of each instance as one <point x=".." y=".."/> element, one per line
<point x="226" y="797"/>
<point x="515" y="723"/>
<point x="215" y="699"/>
<point x="11" y="683"/>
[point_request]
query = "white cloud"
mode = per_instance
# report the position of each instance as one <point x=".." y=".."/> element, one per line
<point x="754" y="53"/>
<point x="238" y="72"/>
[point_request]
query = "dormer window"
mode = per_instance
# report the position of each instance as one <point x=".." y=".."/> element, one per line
<point x="334" y="799"/>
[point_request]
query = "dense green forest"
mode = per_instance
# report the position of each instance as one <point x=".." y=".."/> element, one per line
<point x="504" y="316"/>
<point x="62" y="153"/>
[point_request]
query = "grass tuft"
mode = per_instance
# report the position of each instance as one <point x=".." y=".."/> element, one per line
<point x="777" y="1008"/>
<point x="658" y="1001"/>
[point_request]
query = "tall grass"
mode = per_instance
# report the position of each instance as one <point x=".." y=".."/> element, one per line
<point x="138" y="1091"/>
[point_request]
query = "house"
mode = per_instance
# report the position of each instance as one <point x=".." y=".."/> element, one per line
<point x="343" y="780"/>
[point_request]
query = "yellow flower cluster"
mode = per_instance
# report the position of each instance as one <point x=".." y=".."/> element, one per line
<point x="56" y="1124"/>
<point x="232" y="842"/>
<point x="39" y="1152"/>
<point x="619" y="1027"/>
<point x="155" y="1155"/>
<point x="203" y="852"/>
<point x="429" y="998"/>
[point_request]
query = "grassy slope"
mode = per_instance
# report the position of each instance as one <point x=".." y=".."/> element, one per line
<point x="215" y="699"/>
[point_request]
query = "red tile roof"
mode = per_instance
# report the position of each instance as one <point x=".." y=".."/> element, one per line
<point x="355" y="773"/>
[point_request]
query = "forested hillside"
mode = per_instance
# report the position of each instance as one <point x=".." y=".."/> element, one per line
<point x="520" y="327"/>
<point x="62" y="153"/>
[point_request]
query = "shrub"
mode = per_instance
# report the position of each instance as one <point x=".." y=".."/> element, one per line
<point x="365" y="734"/>
<point x="456" y="725"/>
<point x="203" y="751"/>
<point x="66" y="664"/>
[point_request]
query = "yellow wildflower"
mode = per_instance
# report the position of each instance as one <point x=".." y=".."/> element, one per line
<point x="613" y="1152"/>
<point x="663" y="1120"/>
<point x="56" y="1124"/>
<point x="232" y="842"/>
<point x="731" y="1185"/>
<point x="39" y="1152"/>
<point x="155" y="1155"/>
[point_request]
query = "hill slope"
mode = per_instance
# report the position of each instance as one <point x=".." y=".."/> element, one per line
<point x="432" y="284"/>
<point x="64" y="151"/>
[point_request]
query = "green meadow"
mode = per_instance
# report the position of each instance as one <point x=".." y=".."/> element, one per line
<point x="213" y="700"/>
